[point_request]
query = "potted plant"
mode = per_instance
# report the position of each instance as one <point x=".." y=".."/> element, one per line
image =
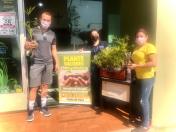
<point x="30" y="24"/>
<point x="113" y="59"/>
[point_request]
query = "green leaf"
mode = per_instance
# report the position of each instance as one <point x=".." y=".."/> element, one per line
<point x="30" y="24"/>
<point x="114" y="56"/>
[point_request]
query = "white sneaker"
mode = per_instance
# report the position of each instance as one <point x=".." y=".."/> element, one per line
<point x="45" y="112"/>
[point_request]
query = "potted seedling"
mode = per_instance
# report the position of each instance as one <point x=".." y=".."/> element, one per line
<point x="31" y="44"/>
<point x="113" y="59"/>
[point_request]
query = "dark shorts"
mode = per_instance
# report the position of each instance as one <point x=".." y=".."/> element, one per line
<point x="40" y="74"/>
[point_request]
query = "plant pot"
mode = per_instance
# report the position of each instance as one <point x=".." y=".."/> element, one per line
<point x="104" y="73"/>
<point x="120" y="75"/>
<point x="114" y="74"/>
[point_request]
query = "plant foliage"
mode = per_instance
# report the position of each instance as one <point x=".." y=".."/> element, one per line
<point x="114" y="56"/>
<point x="30" y="23"/>
<point x="3" y="75"/>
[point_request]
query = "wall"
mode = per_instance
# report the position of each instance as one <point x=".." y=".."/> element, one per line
<point x="137" y="13"/>
<point x="111" y="18"/>
<point x="128" y="16"/>
<point x="164" y="104"/>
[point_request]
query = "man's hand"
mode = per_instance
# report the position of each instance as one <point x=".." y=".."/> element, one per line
<point x="56" y="67"/>
<point x="30" y="45"/>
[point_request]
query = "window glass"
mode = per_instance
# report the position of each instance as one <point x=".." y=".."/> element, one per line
<point x="10" y="57"/>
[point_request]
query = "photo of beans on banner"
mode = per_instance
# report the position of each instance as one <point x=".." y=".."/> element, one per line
<point x="72" y="79"/>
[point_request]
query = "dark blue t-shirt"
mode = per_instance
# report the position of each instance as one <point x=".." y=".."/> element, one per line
<point x="96" y="49"/>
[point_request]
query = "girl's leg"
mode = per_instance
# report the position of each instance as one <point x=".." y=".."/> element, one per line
<point x="146" y="87"/>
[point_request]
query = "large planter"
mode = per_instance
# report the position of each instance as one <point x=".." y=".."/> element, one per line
<point x="114" y="74"/>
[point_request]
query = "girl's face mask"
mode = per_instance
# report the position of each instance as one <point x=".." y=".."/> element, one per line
<point x="141" y="38"/>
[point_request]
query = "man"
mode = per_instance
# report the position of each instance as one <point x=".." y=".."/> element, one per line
<point x="44" y="61"/>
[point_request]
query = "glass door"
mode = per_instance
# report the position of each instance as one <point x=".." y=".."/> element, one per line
<point x="13" y="77"/>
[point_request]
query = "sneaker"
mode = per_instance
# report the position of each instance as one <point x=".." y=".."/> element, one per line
<point x="140" y="129"/>
<point x="30" y="116"/>
<point x="45" y="112"/>
<point x="138" y="118"/>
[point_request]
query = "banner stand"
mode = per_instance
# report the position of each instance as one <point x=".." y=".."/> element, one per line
<point x="74" y="77"/>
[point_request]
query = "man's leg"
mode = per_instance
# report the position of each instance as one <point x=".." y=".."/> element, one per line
<point x="46" y="81"/>
<point x="44" y="93"/>
<point x="32" y="97"/>
<point x="34" y="83"/>
<point x="38" y="97"/>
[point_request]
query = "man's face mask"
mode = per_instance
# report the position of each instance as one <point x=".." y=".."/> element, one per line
<point x="45" y="24"/>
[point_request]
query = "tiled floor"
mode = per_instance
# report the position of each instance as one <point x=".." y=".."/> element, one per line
<point x="67" y="119"/>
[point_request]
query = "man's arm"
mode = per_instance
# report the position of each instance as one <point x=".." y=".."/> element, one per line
<point x="54" y="55"/>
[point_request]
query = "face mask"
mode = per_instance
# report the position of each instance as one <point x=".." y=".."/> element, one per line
<point x="140" y="40"/>
<point x="45" y="24"/>
<point x="94" y="38"/>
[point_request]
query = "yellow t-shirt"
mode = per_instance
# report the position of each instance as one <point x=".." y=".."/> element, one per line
<point x="139" y="56"/>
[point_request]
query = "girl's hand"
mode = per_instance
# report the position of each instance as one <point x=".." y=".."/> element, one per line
<point x="132" y="66"/>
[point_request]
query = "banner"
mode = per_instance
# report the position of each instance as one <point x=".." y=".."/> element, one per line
<point x="74" y="77"/>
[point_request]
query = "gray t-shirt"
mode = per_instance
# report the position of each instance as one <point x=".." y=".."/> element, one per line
<point x="42" y="54"/>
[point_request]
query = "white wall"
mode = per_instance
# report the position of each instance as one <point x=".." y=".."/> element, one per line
<point x="164" y="96"/>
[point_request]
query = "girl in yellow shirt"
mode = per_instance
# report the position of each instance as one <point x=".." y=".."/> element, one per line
<point x="144" y="63"/>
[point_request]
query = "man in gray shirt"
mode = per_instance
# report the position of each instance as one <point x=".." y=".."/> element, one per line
<point x="43" y="62"/>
